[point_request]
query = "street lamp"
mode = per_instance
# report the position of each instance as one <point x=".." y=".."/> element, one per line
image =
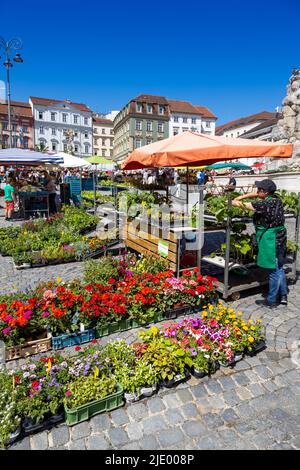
<point x="13" y="44"/>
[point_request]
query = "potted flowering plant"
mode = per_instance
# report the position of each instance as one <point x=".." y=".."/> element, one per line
<point x="9" y="419"/>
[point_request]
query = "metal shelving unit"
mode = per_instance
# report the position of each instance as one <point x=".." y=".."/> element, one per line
<point x="34" y="203"/>
<point x="231" y="283"/>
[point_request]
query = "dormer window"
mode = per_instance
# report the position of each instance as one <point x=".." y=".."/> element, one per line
<point x="161" y="109"/>
<point x="149" y="108"/>
<point x="139" y="107"/>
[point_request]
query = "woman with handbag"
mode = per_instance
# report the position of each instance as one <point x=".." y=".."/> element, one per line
<point x="271" y="238"/>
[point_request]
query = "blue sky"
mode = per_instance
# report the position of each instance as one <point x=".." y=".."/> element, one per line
<point x="234" y="57"/>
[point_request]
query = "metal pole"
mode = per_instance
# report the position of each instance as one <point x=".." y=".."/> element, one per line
<point x="200" y="227"/>
<point x="227" y="253"/>
<point x="187" y="186"/>
<point x="8" y="65"/>
<point x="95" y="195"/>
<point x="178" y="258"/>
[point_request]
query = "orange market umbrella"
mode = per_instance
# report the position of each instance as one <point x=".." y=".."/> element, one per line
<point x="192" y="149"/>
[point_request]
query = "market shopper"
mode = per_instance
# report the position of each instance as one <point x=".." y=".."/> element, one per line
<point x="271" y="238"/>
<point x="51" y="187"/>
<point x="9" y="198"/>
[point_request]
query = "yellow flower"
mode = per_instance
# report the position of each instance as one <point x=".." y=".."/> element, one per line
<point x="240" y="314"/>
<point x="235" y="323"/>
<point x="252" y="328"/>
<point x="226" y="321"/>
<point x="58" y="280"/>
<point x="259" y="321"/>
<point x="245" y="328"/>
<point x="204" y="314"/>
<point x="230" y="310"/>
<point x="250" y="339"/>
<point x="210" y="307"/>
<point x="250" y="321"/>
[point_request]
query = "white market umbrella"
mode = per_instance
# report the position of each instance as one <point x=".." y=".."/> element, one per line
<point x="70" y="161"/>
<point x="16" y="156"/>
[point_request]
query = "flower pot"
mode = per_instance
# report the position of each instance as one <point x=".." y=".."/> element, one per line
<point x="227" y="363"/>
<point x="258" y="347"/>
<point x="132" y="397"/>
<point x="177" y="379"/>
<point x="214" y="367"/>
<point x="148" y="391"/>
<point x="14" y="435"/>
<point x="238" y="356"/>
<point x="170" y="314"/>
<point x="199" y="374"/>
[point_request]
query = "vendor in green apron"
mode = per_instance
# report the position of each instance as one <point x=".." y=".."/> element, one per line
<point x="271" y="237"/>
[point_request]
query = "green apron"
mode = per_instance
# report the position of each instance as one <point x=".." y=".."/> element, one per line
<point x="266" y="240"/>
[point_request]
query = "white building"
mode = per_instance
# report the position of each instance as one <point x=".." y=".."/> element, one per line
<point x="54" y="118"/>
<point x="185" y="116"/>
<point x="240" y="126"/>
<point x="103" y="135"/>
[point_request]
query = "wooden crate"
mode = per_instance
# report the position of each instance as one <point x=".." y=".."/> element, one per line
<point x="28" y="349"/>
<point x="144" y="241"/>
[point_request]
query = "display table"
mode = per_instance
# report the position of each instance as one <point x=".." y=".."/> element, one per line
<point x="34" y="204"/>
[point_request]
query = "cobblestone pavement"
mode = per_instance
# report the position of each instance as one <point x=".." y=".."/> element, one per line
<point x="254" y="405"/>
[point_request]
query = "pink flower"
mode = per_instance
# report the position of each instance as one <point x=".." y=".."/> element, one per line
<point x="6" y="330"/>
<point x="48" y="294"/>
<point x="45" y="314"/>
<point x="68" y="393"/>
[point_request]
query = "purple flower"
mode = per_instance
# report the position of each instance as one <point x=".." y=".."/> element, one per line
<point x="6" y="330"/>
<point x="129" y="273"/>
<point x="45" y="314"/>
<point x="193" y="352"/>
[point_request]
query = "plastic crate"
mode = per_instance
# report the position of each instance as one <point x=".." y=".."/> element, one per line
<point x="73" y="339"/>
<point x="28" y="349"/>
<point x="85" y="412"/>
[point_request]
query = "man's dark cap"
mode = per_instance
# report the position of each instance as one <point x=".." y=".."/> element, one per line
<point x="266" y="185"/>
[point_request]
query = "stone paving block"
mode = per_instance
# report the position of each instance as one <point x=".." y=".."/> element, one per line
<point x="245" y="411"/>
<point x="207" y="443"/>
<point x="199" y="391"/>
<point x="59" y="436"/>
<point x="149" y="443"/>
<point x="137" y="411"/>
<point x="229" y="416"/>
<point x="131" y="446"/>
<point x="213" y="387"/>
<point x="119" y="416"/>
<point x="118" y="437"/>
<point x="231" y="398"/>
<point x="227" y="436"/>
<point x="241" y="379"/>
<point x="79" y="444"/>
<point x="227" y="383"/>
<point x="241" y="365"/>
<point x="39" y="441"/>
<point x="100" y="423"/>
<point x="80" y="430"/>
<point x="216" y="402"/>
<point x="172" y="400"/>
<point x="256" y="389"/>
<point x="153" y="424"/>
<point x="156" y="405"/>
<point x="252" y="376"/>
<point x="194" y="429"/>
<point x="212" y="420"/>
<point x="190" y="411"/>
<point x="134" y="431"/>
<point x="184" y="396"/>
<point x="97" y="442"/>
<point x="173" y="417"/>
<point x="244" y="393"/>
<point x="170" y="437"/>
<point x="262" y="441"/>
<point x="24" y="444"/>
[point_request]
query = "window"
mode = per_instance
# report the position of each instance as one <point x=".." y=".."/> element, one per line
<point x="95" y="130"/>
<point x="238" y="133"/>
<point x="86" y="121"/>
<point x="103" y="142"/>
<point x="111" y="153"/>
<point x="103" y="131"/>
<point x="138" y="143"/>
<point x="64" y="117"/>
<point x="5" y="126"/>
<point x="208" y="124"/>
<point x="175" y="130"/>
<point x="53" y="131"/>
<point x="103" y="152"/>
<point x="161" y="109"/>
<point x="175" y="118"/>
<point x="53" y="116"/>
<point x="193" y="120"/>
<point x="138" y="125"/>
<point x="41" y="130"/>
<point x="65" y="147"/>
<point x="149" y="126"/>
<point x="25" y="143"/>
<point x="14" y="127"/>
<point x="86" y="149"/>
<point x="111" y="131"/>
<point x="25" y="129"/>
<point x="160" y="127"/>
<point x="40" y="115"/>
<point x="149" y="108"/>
<point x="75" y="134"/>
<point x="194" y="129"/>
<point x="184" y="129"/>
<point x="95" y="142"/>
<point x="231" y="135"/>
<point x="86" y="136"/>
<point x="184" y="119"/>
<point x="148" y="141"/>
<point x="76" y="148"/>
<point x="75" y="119"/>
<point x="139" y="107"/>
<point x="53" y="147"/>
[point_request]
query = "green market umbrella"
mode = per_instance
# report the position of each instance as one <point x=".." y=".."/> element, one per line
<point x="97" y="160"/>
<point x="219" y="166"/>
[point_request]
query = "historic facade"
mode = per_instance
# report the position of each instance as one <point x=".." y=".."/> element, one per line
<point x="21" y="123"/>
<point x="185" y="116"/>
<point x="61" y="125"/>
<point x="242" y="125"/>
<point x="145" y="119"/>
<point x="103" y="134"/>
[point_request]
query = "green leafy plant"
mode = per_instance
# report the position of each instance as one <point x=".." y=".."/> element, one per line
<point x="9" y="418"/>
<point x="87" y="389"/>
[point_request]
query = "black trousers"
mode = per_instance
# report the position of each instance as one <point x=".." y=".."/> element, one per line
<point x="52" y="204"/>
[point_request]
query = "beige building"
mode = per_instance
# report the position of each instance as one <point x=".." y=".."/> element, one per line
<point x="240" y="126"/>
<point x="103" y="136"/>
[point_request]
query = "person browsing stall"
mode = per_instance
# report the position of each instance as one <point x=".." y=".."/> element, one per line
<point x="9" y="198"/>
<point x="271" y="238"/>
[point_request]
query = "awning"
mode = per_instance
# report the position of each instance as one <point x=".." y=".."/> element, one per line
<point x="16" y="156"/>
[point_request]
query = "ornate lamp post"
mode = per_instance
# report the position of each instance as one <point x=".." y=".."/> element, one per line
<point x="13" y="44"/>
